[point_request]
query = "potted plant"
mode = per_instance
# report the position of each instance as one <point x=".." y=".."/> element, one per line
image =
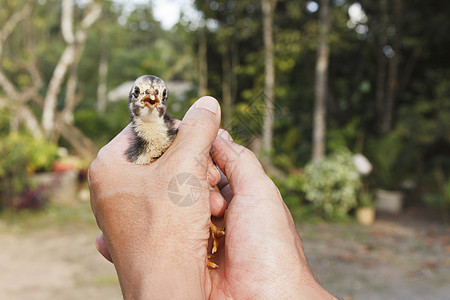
<point x="365" y="212"/>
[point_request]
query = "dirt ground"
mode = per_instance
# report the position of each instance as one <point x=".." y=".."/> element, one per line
<point x="53" y="256"/>
<point x="399" y="257"/>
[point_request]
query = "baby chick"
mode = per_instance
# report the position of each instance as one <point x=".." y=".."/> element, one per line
<point x="154" y="132"/>
<point x="153" y="127"/>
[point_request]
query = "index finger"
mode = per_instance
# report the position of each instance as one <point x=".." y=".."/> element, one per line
<point x="116" y="148"/>
<point x="240" y="166"/>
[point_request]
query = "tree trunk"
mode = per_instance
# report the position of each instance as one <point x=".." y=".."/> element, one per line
<point x="321" y="83"/>
<point x="268" y="7"/>
<point x="102" y="84"/>
<point x="80" y="143"/>
<point x="12" y="22"/>
<point x="24" y="115"/>
<point x="48" y="113"/>
<point x="393" y="82"/>
<point x="234" y="65"/>
<point x="17" y="101"/>
<point x="71" y="87"/>
<point x="67" y="59"/>
<point x="381" y="64"/>
<point x="14" y="98"/>
<point x="14" y="102"/>
<point x="203" y="63"/>
<point x="226" y="89"/>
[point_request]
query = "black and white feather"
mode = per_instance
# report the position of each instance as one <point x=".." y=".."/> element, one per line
<point x="153" y="127"/>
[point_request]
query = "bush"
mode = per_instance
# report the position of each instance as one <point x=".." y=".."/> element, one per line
<point x="291" y="188"/>
<point x="332" y="184"/>
<point x="388" y="155"/>
<point x="21" y="154"/>
<point x="102" y="128"/>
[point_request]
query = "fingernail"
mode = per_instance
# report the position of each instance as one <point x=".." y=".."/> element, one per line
<point x="225" y="135"/>
<point x="207" y="103"/>
<point x="213" y="173"/>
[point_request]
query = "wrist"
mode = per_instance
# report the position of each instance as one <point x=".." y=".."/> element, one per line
<point x="155" y="265"/>
<point x="162" y="277"/>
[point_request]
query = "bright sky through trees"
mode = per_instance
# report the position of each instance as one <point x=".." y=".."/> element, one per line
<point x="166" y="11"/>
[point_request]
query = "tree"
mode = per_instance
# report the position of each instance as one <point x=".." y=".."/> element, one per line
<point x="22" y="112"/>
<point x="69" y="58"/>
<point x="268" y="7"/>
<point x="321" y="82"/>
<point x="203" y="62"/>
<point x="387" y="121"/>
<point x="18" y="96"/>
<point x="229" y="40"/>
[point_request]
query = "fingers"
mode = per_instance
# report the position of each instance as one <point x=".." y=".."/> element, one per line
<point x="218" y="205"/>
<point x="217" y="202"/>
<point x="214" y="175"/>
<point x="198" y="129"/>
<point x="116" y="148"/>
<point x="240" y="166"/>
<point x="101" y="246"/>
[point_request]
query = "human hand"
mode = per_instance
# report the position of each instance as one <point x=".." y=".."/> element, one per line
<point x="155" y="244"/>
<point x="262" y="256"/>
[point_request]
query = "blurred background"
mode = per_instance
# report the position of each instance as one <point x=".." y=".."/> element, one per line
<point x="346" y="103"/>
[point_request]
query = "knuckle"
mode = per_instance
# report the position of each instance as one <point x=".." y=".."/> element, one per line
<point x="98" y="165"/>
<point x="247" y="154"/>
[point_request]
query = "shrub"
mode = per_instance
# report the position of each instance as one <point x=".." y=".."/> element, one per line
<point x="21" y="154"/>
<point x="291" y="188"/>
<point x="332" y="184"/>
<point x="388" y="156"/>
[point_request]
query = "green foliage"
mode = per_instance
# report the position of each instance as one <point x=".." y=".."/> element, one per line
<point x="447" y="190"/>
<point x="134" y="43"/>
<point x="102" y="128"/>
<point x="291" y="190"/>
<point x="365" y="199"/>
<point x="13" y="167"/>
<point x="16" y="148"/>
<point x="344" y="136"/>
<point x="385" y="154"/>
<point x="437" y="193"/>
<point x="332" y="184"/>
<point x="428" y="119"/>
<point x="41" y="154"/>
<point x="294" y="190"/>
<point x="433" y="200"/>
<point x="21" y="154"/>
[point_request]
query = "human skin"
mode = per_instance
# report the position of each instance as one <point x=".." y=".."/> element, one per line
<point x="159" y="249"/>
<point x="157" y="246"/>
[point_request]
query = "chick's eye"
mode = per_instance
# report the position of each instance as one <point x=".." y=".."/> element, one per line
<point x="164" y="93"/>
<point x="136" y="91"/>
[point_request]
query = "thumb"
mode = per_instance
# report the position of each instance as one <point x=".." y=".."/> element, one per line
<point x="199" y="128"/>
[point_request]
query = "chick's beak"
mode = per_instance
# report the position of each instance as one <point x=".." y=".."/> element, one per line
<point x="150" y="99"/>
